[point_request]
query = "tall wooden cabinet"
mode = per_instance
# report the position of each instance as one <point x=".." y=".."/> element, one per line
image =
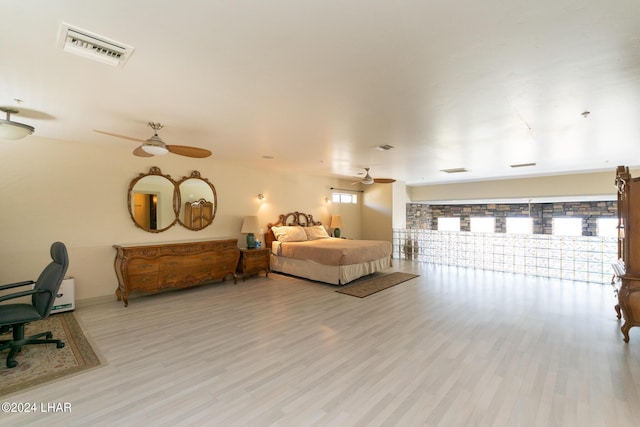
<point x="629" y="247"/>
<point x="153" y="267"/>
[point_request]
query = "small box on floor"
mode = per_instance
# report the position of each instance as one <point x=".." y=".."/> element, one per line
<point x="65" y="300"/>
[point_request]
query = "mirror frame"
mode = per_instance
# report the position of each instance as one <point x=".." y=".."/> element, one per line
<point x="196" y="175"/>
<point x="177" y="199"/>
<point x="153" y="171"/>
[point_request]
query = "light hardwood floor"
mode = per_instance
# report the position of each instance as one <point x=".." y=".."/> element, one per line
<point x="454" y="347"/>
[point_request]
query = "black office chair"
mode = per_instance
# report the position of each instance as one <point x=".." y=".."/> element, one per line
<point x="16" y="316"/>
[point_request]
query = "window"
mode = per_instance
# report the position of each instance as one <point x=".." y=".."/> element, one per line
<point x="522" y="225"/>
<point x="448" y="224"/>
<point x="483" y="224"/>
<point x="567" y="226"/>
<point x="608" y="227"/>
<point x="344" y="198"/>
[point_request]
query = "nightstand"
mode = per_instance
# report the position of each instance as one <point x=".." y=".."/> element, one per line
<point x="253" y="261"/>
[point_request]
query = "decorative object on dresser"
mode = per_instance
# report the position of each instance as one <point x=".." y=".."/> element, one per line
<point x="249" y="225"/>
<point x="629" y="248"/>
<point x="336" y="223"/>
<point x="154" y="267"/>
<point x="300" y="246"/>
<point x="253" y="261"/>
<point x="154" y="201"/>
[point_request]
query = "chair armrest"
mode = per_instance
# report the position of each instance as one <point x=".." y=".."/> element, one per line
<point x="16" y="285"/>
<point x="24" y="294"/>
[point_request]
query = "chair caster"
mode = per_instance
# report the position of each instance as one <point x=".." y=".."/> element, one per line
<point x="60" y="344"/>
<point x="49" y="335"/>
<point x="11" y="363"/>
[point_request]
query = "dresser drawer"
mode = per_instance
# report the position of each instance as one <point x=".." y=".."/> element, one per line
<point x="254" y="262"/>
<point x="140" y="266"/>
<point x="144" y="282"/>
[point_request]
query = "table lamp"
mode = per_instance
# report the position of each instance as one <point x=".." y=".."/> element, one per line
<point x="249" y="224"/>
<point x="336" y="223"/>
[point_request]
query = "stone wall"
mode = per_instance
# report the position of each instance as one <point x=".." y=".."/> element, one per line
<point x="425" y="217"/>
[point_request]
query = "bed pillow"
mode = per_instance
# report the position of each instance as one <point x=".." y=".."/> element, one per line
<point x="316" y="232"/>
<point x="289" y="233"/>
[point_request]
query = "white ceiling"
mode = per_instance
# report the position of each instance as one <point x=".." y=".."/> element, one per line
<point x="316" y="84"/>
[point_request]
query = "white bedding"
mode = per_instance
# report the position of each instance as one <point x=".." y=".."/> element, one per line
<point x="333" y="274"/>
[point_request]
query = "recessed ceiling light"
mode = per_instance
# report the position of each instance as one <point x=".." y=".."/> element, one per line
<point x="385" y="147"/>
<point x="454" y="170"/>
<point x="585" y="114"/>
<point x="267" y="157"/>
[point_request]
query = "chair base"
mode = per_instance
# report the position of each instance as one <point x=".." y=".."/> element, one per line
<point x="15" y="345"/>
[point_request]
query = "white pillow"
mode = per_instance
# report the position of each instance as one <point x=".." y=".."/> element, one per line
<point x="316" y="232"/>
<point x="289" y="233"/>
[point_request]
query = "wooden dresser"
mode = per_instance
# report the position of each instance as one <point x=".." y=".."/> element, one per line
<point x="629" y="248"/>
<point x="154" y="267"/>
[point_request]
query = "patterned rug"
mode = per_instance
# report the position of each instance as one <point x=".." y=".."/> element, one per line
<point x="376" y="284"/>
<point x="38" y="364"/>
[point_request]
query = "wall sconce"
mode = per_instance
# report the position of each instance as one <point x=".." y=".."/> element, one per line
<point x="327" y="200"/>
<point x="260" y="196"/>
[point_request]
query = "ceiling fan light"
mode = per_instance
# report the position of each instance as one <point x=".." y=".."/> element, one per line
<point x="13" y="130"/>
<point x="154" y="149"/>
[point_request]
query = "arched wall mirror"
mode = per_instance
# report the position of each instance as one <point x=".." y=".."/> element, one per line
<point x="198" y="201"/>
<point x="152" y="201"/>
<point x="156" y="202"/>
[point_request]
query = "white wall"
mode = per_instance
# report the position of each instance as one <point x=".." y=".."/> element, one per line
<point x="587" y="185"/>
<point x="400" y="200"/>
<point x="77" y="193"/>
<point x="377" y="212"/>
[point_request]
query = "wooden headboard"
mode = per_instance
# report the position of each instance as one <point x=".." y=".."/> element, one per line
<point x="292" y="218"/>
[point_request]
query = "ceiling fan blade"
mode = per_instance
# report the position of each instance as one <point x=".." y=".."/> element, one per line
<point x="384" y="180"/>
<point x="185" y="150"/>
<point x="119" y="136"/>
<point x="141" y="153"/>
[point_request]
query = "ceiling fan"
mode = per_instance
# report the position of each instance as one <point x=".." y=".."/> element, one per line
<point x="368" y="179"/>
<point x="155" y="146"/>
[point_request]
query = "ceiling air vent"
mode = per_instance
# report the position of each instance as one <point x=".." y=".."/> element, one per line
<point x="385" y="147"/>
<point x="454" y="170"/>
<point x="522" y="165"/>
<point x="92" y="46"/>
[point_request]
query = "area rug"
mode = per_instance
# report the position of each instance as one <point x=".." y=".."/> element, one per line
<point x="376" y="284"/>
<point x="38" y="364"/>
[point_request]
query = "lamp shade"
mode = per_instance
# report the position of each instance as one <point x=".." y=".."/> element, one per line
<point x="249" y="224"/>
<point x="13" y="130"/>
<point x="156" y="150"/>
<point x="336" y="221"/>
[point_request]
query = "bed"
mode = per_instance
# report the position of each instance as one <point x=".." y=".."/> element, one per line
<point x="301" y="246"/>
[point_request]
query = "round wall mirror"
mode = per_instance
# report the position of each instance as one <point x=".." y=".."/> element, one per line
<point x="198" y="202"/>
<point x="153" y="201"/>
